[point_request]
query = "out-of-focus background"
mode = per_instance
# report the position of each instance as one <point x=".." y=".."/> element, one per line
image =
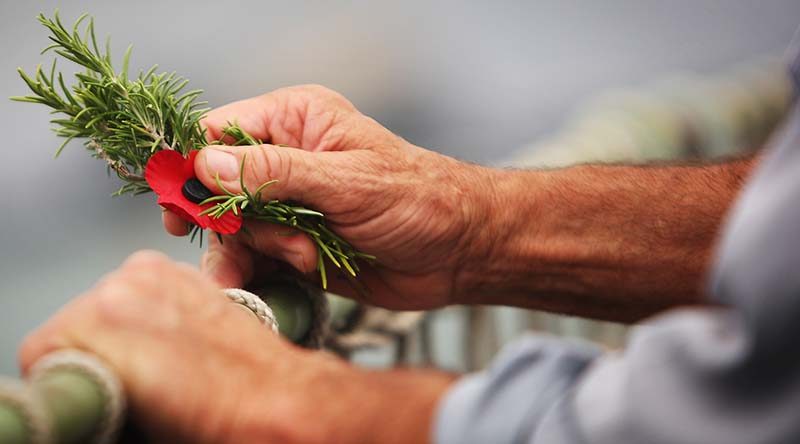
<point x="475" y="80"/>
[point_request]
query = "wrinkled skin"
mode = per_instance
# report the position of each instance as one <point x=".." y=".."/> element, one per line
<point x="198" y="369"/>
<point x="579" y="240"/>
<point x="416" y="211"/>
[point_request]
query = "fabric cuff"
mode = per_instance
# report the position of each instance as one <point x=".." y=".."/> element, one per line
<point x="506" y="403"/>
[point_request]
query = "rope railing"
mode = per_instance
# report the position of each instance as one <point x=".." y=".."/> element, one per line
<point x="73" y="397"/>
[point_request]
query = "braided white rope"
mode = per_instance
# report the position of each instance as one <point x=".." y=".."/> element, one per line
<point x="106" y="381"/>
<point x="19" y="396"/>
<point x="34" y="413"/>
<point x="320" y="312"/>
<point x="375" y="327"/>
<point x="255" y="304"/>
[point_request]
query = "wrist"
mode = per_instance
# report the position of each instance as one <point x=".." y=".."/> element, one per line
<point x="609" y="242"/>
<point x="343" y="403"/>
<point x="502" y="235"/>
<point x="402" y="405"/>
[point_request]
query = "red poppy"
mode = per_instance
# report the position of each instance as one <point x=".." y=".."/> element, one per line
<point x="172" y="178"/>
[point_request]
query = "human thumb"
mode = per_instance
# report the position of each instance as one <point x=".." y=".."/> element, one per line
<point x="299" y="175"/>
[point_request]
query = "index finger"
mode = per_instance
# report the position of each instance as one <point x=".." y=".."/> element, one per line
<point x="252" y="115"/>
<point x="297" y="116"/>
<point x="174" y="224"/>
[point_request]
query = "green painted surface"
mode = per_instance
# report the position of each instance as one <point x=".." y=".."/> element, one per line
<point x="291" y="307"/>
<point x="12" y="426"/>
<point x="75" y="402"/>
<point x="341" y="308"/>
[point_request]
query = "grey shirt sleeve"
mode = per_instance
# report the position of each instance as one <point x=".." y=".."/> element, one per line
<point x="712" y="376"/>
<point x="507" y="402"/>
<point x="718" y="376"/>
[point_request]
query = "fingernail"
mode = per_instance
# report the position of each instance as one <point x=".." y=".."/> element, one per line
<point x="222" y="163"/>
<point x="295" y="260"/>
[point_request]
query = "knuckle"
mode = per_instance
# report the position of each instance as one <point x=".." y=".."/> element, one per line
<point x="136" y="299"/>
<point x="135" y="308"/>
<point x="186" y="272"/>
<point x="146" y="259"/>
<point x="268" y="163"/>
<point x="317" y="89"/>
<point x="143" y="276"/>
<point x="120" y="290"/>
<point x="27" y="352"/>
<point x="328" y="95"/>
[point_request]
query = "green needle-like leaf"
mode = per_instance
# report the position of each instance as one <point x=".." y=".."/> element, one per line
<point x="126" y="120"/>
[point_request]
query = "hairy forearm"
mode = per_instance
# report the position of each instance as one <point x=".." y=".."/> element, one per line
<point x="403" y="405"/>
<point x="604" y="241"/>
<point x="344" y="403"/>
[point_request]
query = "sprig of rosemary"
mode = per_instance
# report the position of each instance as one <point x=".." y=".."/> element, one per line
<point x="125" y="120"/>
<point x="329" y="244"/>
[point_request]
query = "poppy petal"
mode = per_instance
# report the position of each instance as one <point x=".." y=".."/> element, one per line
<point x="166" y="172"/>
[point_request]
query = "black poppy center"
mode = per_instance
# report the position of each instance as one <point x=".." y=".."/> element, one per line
<point x="195" y="191"/>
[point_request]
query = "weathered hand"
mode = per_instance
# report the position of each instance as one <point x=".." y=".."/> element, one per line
<point x="417" y="211"/>
<point x="197" y="369"/>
